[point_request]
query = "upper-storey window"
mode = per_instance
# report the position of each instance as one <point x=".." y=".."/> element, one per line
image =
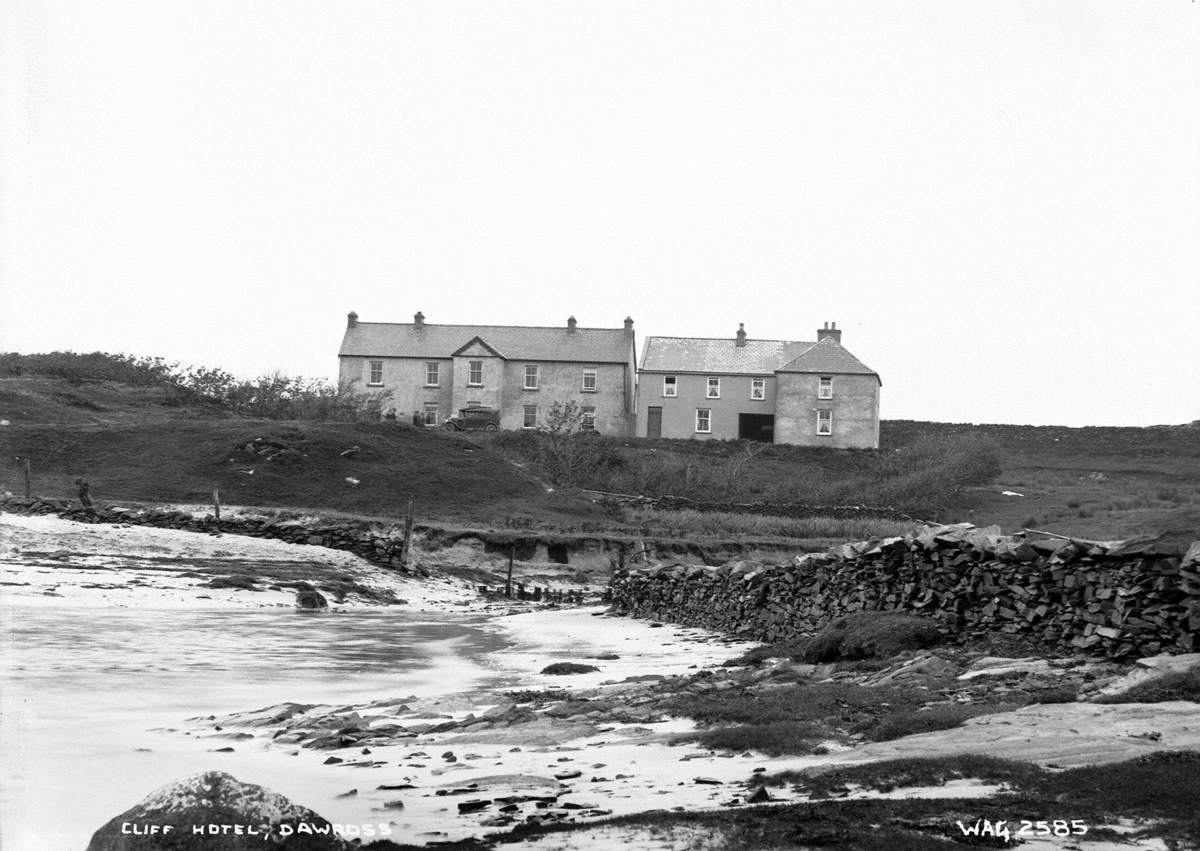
<point x="431" y="374"/>
<point x="758" y="388"/>
<point x="825" y="423"/>
<point x="475" y="373"/>
<point x="531" y="376"/>
<point x="670" y="386"/>
<point x="589" y="380"/>
<point x="714" y="388"/>
<point x="376" y="372"/>
<point x="825" y="387"/>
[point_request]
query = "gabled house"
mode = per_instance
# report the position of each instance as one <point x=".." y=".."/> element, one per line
<point x="806" y="393"/>
<point x="433" y="371"/>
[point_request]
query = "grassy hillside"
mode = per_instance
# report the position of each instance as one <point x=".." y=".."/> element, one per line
<point x="141" y="441"/>
<point x="138" y="443"/>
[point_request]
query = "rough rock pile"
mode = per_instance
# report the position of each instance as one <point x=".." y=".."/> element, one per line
<point x="215" y="812"/>
<point x="1119" y="599"/>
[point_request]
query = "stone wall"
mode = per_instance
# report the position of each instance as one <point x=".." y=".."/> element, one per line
<point x="1120" y="601"/>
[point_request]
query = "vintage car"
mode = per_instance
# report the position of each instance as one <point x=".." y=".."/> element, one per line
<point x="473" y="419"/>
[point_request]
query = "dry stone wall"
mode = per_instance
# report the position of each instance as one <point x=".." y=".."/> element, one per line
<point x="1122" y="600"/>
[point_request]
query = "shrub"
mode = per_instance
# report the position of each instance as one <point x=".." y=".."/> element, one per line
<point x="940" y="717"/>
<point x="1183" y="685"/>
<point x="774" y="739"/>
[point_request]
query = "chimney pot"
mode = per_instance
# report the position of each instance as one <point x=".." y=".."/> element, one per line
<point x="829" y="332"/>
<point x="741" y="335"/>
<point x="419" y="319"/>
<point x="628" y="325"/>
<point x="571" y="324"/>
<point x="352" y="319"/>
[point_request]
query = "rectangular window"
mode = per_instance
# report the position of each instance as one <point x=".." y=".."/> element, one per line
<point x="376" y="372"/>
<point x="431" y="374"/>
<point x="530" y="420"/>
<point x="825" y="387"/>
<point x="474" y="404"/>
<point x="758" y="388"/>
<point x="825" y="423"/>
<point x="714" y="389"/>
<point x="704" y="420"/>
<point x="589" y="418"/>
<point x="475" y="373"/>
<point x="589" y="381"/>
<point x="531" y="376"/>
<point x="431" y="413"/>
<point x="670" y="386"/>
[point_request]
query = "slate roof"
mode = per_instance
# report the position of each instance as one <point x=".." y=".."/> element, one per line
<point x="829" y="357"/>
<point x="758" y="357"/>
<point x="405" y="340"/>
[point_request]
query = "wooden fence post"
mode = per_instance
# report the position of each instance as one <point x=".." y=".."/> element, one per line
<point x="408" y="524"/>
<point x="216" y="504"/>
<point x="28" y="485"/>
<point x="512" y="554"/>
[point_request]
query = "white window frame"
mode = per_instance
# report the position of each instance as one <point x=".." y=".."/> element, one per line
<point x="531" y="371"/>
<point x="713" y="387"/>
<point x="590" y="372"/>
<point x="589" y="418"/>
<point x="474" y="373"/>
<point x="825" y="387"/>
<point x="670" y="386"/>
<point x="434" y="369"/>
<point x="704" y="415"/>
<point x="825" y="422"/>
<point x="529" y="416"/>
<point x="475" y="404"/>
<point x="758" y="389"/>
<point x="373" y="367"/>
<point x="431" y="407"/>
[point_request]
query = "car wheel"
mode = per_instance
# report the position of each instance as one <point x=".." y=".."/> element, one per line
<point x="490" y="427"/>
<point x="448" y="426"/>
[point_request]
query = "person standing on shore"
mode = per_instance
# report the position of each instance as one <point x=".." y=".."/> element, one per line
<point x="85" y="495"/>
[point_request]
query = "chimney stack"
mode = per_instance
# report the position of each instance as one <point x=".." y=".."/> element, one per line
<point x="628" y="327"/>
<point x="829" y="332"/>
<point x="571" y="324"/>
<point x="352" y="319"/>
<point x="741" y="335"/>
<point x="418" y="320"/>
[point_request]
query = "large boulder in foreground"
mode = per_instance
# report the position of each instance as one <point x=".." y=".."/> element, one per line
<point x="213" y="811"/>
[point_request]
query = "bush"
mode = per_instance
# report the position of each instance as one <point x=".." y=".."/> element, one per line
<point x="774" y="739"/>
<point x="274" y="396"/>
<point x="1183" y="685"/>
<point x="941" y="717"/>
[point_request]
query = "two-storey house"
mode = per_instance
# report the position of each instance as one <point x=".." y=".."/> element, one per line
<point x="433" y="371"/>
<point x="806" y="393"/>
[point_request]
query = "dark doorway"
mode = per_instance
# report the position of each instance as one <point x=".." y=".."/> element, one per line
<point x="654" y="421"/>
<point x="756" y="427"/>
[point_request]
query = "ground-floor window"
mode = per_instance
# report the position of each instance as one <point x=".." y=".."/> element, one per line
<point x="825" y="422"/>
<point x="431" y="413"/>
<point x="704" y="420"/>
<point x="589" y="418"/>
<point x="530" y="420"/>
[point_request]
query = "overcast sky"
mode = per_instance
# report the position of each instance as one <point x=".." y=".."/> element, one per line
<point x="998" y="202"/>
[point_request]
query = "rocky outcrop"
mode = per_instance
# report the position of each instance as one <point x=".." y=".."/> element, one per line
<point x="1120" y="600"/>
<point x="308" y="597"/>
<point x="215" y="812"/>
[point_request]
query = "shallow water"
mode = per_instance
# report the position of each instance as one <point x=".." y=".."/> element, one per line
<point x="86" y="695"/>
